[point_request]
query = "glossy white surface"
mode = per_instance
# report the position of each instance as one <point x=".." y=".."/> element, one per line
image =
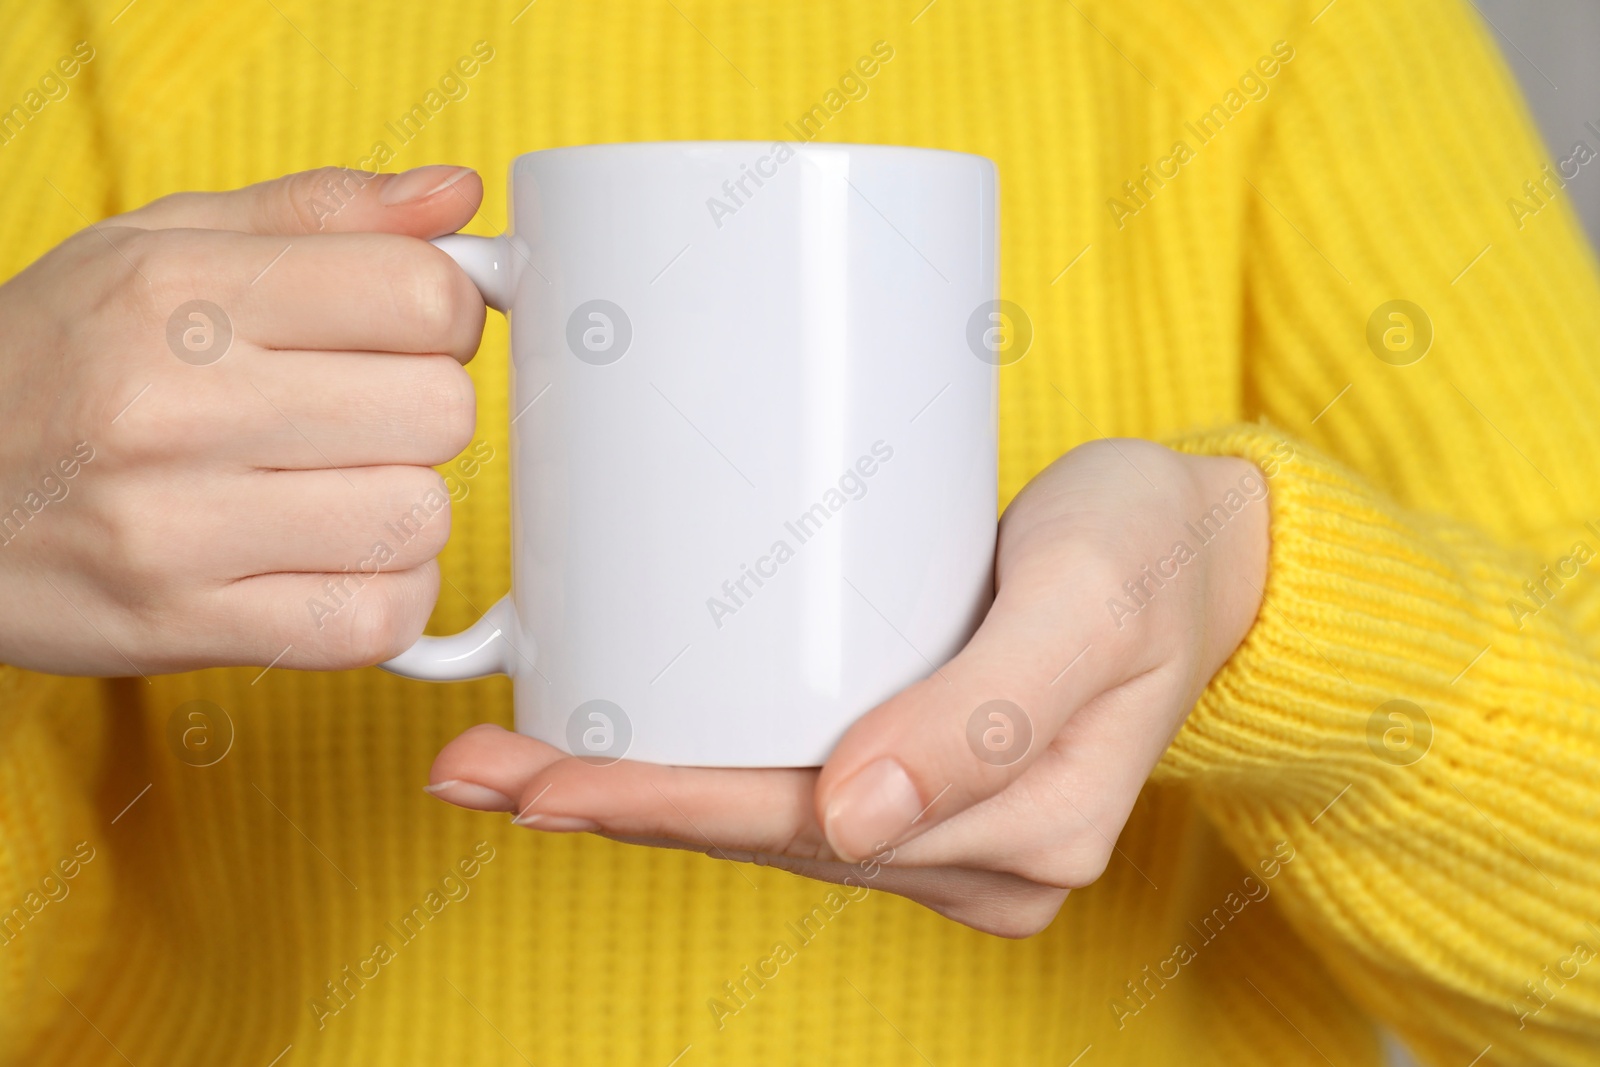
<point x="810" y="329"/>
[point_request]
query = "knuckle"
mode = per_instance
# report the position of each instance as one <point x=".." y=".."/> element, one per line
<point x="448" y="406"/>
<point x="1100" y="567"/>
<point x="147" y="251"/>
<point x="385" y="620"/>
<point x="1027" y="913"/>
<point x="163" y="263"/>
<point x="163" y="209"/>
<point x="1104" y="569"/>
<point x="168" y="204"/>
<point x="420" y="505"/>
<point x="166" y="424"/>
<point x="372" y="634"/>
<point x="136" y="443"/>
<point x="802" y="840"/>
<point x="104" y="390"/>
<point x="430" y="295"/>
<point x="169" y="268"/>
<point x="303" y="201"/>
<point x="133" y="546"/>
<point x="157" y="278"/>
<point x="1074" y="866"/>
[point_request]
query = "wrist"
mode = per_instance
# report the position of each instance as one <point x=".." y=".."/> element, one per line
<point x="1231" y="521"/>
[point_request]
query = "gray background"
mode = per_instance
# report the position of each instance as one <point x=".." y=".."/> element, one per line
<point x="1553" y="47"/>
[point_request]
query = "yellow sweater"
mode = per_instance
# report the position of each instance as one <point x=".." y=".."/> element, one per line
<point x="1204" y="206"/>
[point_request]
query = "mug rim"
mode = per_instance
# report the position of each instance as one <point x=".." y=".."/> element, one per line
<point x="843" y="147"/>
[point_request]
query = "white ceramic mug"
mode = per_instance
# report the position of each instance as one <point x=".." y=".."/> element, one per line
<point x="753" y="433"/>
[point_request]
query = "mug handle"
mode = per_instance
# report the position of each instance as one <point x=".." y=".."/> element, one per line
<point x="485" y="647"/>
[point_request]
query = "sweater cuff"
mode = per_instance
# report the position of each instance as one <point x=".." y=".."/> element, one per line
<point x="1363" y="622"/>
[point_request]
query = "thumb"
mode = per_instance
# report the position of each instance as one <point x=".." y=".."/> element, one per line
<point x="964" y="734"/>
<point x="423" y="202"/>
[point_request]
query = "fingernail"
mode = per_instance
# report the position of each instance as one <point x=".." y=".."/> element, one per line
<point x="419" y="183"/>
<point x="470" y="795"/>
<point x="874" y="807"/>
<point x="558" y="824"/>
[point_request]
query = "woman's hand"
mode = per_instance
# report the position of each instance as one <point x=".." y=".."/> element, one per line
<point x="1126" y="575"/>
<point x="216" y="408"/>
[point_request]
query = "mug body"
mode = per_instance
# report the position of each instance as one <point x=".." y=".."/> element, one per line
<point x="753" y="440"/>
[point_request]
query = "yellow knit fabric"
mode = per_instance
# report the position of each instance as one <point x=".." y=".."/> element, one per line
<point x="1219" y="300"/>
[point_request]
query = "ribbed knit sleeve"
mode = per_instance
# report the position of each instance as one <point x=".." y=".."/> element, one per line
<point x="52" y="182"/>
<point x="1417" y="707"/>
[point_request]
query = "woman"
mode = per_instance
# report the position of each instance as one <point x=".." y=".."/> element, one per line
<point x="1327" y="770"/>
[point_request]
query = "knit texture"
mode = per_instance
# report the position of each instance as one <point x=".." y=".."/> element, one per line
<point x="1200" y="245"/>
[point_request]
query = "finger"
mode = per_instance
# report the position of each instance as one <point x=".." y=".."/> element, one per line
<point x="486" y="766"/>
<point x="745" y="810"/>
<point x="423" y="202"/>
<point x="1030" y="831"/>
<point x="699" y="811"/>
<point x="357" y="292"/>
<point x="310" y="410"/>
<point x="966" y="733"/>
<point x="741" y="813"/>
<point x="1058" y="824"/>
<point x="753" y="811"/>
<point x="291" y="621"/>
<point x="734" y="813"/>
<point x="1046" y="828"/>
<point x="347" y="524"/>
<point x="307" y="411"/>
<point x="740" y="816"/>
